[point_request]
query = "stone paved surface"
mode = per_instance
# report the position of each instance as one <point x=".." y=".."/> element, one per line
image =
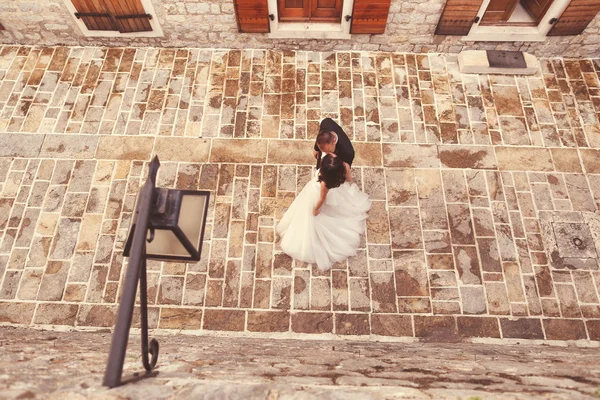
<point x="463" y="171"/>
<point x="70" y="365"/>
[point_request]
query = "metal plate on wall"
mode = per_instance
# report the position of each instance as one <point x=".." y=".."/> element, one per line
<point x="506" y="59"/>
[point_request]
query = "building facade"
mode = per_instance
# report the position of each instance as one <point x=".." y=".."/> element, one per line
<point x="543" y="28"/>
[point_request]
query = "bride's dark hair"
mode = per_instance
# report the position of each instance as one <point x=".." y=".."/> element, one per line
<point x="332" y="171"/>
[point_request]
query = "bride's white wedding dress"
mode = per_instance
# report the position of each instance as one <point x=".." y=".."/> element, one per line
<point x="334" y="234"/>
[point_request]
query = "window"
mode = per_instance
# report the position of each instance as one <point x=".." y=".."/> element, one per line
<point x="310" y="10"/>
<point x="114" y="17"/>
<point x="516" y="20"/>
<point x="515" y="12"/>
<point x="314" y="19"/>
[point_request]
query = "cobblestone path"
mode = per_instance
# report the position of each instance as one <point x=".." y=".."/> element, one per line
<point x="70" y="365"/>
<point x="479" y="184"/>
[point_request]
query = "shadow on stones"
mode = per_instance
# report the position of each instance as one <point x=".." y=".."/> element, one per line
<point x="137" y="377"/>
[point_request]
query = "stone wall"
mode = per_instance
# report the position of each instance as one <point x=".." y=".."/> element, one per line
<point x="211" y="23"/>
<point x="70" y="365"/>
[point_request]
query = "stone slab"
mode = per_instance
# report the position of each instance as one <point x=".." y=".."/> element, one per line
<point x="182" y="149"/>
<point x="591" y="160"/>
<point x="476" y="62"/>
<point x="20" y="144"/>
<point x="566" y="160"/>
<point x="472" y="157"/>
<point x="238" y="151"/>
<point x="410" y="156"/>
<point x="566" y="233"/>
<point x="69" y="146"/>
<point x="523" y="159"/>
<point x="367" y="154"/>
<point x="298" y="152"/>
<point x="125" y="148"/>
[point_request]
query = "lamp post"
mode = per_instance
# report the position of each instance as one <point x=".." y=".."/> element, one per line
<point x="168" y="224"/>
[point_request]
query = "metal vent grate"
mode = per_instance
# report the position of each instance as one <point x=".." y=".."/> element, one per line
<point x="506" y="59"/>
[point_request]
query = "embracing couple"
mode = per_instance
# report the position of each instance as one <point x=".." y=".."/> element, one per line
<point x="324" y="223"/>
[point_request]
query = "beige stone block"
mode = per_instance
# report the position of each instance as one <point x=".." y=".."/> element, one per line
<point x="122" y="169"/>
<point x="410" y="156"/>
<point x="238" y="150"/>
<point x="97" y="315"/>
<point x="401" y="187"/>
<point x="592" y="133"/>
<point x="56" y="314"/>
<point x="125" y="148"/>
<point x="16" y="313"/>
<point x="90" y="229"/>
<point x="367" y="155"/>
<point x="65" y="239"/>
<point x="523" y="159"/>
<point x="378" y="227"/>
<point x="20" y="145"/>
<point x="53" y="281"/>
<point x="47" y="223"/>
<point x="69" y="146"/>
<point x="299" y="152"/>
<point x="507" y="100"/>
<point x="182" y="149"/>
<point x="469" y="59"/>
<point x="30" y="285"/>
<point x="475" y="157"/>
<point x="591" y="160"/>
<point x="497" y="299"/>
<point x="566" y="160"/>
<point x="270" y="126"/>
<point x="103" y="173"/>
<point x="180" y="318"/>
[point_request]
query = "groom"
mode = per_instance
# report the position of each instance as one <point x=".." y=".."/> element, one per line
<point x="333" y="139"/>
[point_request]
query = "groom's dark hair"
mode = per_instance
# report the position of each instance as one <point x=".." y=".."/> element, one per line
<point x="325" y="137"/>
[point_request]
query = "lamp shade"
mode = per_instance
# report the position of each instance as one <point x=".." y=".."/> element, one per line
<point x="176" y="225"/>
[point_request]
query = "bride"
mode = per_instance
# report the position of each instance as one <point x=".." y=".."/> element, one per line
<point x="324" y="223"/>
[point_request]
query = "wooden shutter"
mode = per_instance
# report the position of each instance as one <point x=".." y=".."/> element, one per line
<point x="293" y="10"/>
<point x="94" y="15"/>
<point x="326" y="10"/>
<point x="575" y="18"/>
<point x="129" y="15"/>
<point x="252" y="15"/>
<point x="498" y="11"/>
<point x="370" y="16"/>
<point x="536" y="8"/>
<point x="113" y="15"/>
<point x="457" y="17"/>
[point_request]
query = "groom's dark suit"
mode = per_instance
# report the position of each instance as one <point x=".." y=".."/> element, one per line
<point x="343" y="147"/>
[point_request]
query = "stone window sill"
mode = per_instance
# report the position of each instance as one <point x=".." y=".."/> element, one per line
<point x="504" y="34"/>
<point x="309" y="31"/>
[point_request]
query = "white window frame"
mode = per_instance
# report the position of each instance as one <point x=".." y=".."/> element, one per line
<point x="310" y="30"/>
<point x="148" y="8"/>
<point x="537" y="33"/>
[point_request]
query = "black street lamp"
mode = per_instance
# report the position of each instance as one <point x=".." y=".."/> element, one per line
<point x="168" y="224"/>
